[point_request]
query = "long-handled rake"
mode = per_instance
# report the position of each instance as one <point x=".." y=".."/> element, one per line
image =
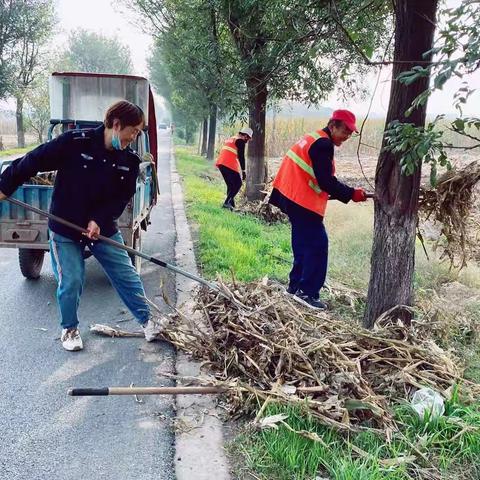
<point x="121" y="246"/>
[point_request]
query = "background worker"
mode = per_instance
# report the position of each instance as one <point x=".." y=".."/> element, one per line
<point x="96" y="178"/>
<point x="231" y="161"/>
<point x="301" y="189"/>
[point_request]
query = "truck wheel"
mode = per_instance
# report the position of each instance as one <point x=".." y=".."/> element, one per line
<point x="137" y="245"/>
<point x="31" y="261"/>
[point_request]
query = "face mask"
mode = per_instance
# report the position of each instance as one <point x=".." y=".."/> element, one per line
<point x="116" y="145"/>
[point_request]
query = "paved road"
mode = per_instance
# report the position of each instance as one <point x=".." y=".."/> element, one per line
<point x="44" y="434"/>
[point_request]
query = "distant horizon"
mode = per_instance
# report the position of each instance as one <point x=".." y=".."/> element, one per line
<point x="7" y="111"/>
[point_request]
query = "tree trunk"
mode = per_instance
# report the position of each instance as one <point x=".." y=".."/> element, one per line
<point x="204" y="137"/>
<point x="396" y="205"/>
<point x="212" y="127"/>
<point x="189" y="132"/>
<point x="256" y="167"/>
<point x="20" y="125"/>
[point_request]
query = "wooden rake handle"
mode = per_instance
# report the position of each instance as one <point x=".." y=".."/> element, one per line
<point x="104" y="391"/>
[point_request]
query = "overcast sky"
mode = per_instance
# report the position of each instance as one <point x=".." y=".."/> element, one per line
<point x="102" y="16"/>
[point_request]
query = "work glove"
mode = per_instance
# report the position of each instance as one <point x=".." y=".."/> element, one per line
<point x="359" y="195"/>
<point x="244" y="175"/>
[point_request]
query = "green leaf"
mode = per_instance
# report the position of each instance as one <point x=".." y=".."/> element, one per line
<point x="433" y="175"/>
<point x="369" y="49"/>
<point x="459" y="124"/>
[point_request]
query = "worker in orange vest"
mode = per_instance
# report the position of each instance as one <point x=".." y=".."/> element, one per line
<point x="231" y="161"/>
<point x="301" y="189"/>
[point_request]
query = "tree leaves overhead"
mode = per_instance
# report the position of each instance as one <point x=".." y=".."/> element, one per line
<point x="298" y="48"/>
<point x="457" y="55"/>
<point x="239" y="55"/>
<point x="25" y="26"/>
<point x="190" y="63"/>
<point x="35" y="25"/>
<point x="95" y="53"/>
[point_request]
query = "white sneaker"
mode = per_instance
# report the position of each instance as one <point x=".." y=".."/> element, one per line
<point x="71" y="339"/>
<point x="153" y="328"/>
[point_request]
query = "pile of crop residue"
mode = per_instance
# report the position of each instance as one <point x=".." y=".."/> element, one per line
<point x="265" y="345"/>
<point x="42" y="179"/>
<point x="263" y="210"/>
<point x="451" y="205"/>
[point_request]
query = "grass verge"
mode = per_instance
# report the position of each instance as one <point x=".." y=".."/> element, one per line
<point x="17" y="151"/>
<point x="242" y="245"/>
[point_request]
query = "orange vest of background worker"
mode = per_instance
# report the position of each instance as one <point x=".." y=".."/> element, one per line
<point x="231" y="161"/>
<point x="301" y="189"/>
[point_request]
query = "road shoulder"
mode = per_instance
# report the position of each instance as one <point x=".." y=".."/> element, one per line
<point x="200" y="452"/>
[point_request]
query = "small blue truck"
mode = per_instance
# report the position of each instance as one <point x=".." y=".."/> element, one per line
<point x="79" y="100"/>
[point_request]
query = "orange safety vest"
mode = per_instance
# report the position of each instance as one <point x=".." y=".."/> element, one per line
<point x="229" y="155"/>
<point x="296" y="179"/>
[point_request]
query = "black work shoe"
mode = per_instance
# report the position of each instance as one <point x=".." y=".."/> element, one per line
<point x="227" y="205"/>
<point x="309" y="301"/>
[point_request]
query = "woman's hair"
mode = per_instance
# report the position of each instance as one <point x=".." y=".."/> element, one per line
<point x="129" y="114"/>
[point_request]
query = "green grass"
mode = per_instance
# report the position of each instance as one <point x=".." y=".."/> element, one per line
<point x="17" y="151"/>
<point x="251" y="248"/>
<point x="227" y="242"/>
<point x="450" y="442"/>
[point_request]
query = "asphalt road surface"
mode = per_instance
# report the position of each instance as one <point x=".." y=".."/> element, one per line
<point x="45" y="434"/>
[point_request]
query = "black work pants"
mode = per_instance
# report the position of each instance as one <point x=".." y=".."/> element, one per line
<point x="310" y="253"/>
<point x="233" y="181"/>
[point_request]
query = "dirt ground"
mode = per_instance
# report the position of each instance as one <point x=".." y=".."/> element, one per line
<point x="10" y="141"/>
<point x="360" y="172"/>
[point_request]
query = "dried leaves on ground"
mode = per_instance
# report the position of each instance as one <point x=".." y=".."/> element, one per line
<point x="275" y="348"/>
<point x="263" y="210"/>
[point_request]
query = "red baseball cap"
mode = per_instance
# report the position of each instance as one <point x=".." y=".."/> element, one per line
<point x="347" y="117"/>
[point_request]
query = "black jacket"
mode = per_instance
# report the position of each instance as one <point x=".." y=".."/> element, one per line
<point x="92" y="183"/>
<point x="240" y="144"/>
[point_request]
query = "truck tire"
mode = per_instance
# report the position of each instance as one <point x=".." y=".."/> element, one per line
<point x="31" y="261"/>
<point x="137" y="245"/>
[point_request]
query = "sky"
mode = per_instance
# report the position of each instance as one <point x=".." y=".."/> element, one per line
<point x="440" y="102"/>
<point x="107" y="18"/>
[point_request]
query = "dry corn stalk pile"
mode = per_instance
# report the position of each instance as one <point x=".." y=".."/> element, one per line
<point x="451" y="204"/>
<point x="43" y="179"/>
<point x="264" y="211"/>
<point x="343" y="374"/>
<point x="261" y="208"/>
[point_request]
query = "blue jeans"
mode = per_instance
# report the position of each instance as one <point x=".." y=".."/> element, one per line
<point x="69" y="269"/>
<point x="310" y="254"/>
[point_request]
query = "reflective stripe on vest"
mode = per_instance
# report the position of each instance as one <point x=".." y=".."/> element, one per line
<point x="230" y="149"/>
<point x="229" y="155"/>
<point x="296" y="178"/>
